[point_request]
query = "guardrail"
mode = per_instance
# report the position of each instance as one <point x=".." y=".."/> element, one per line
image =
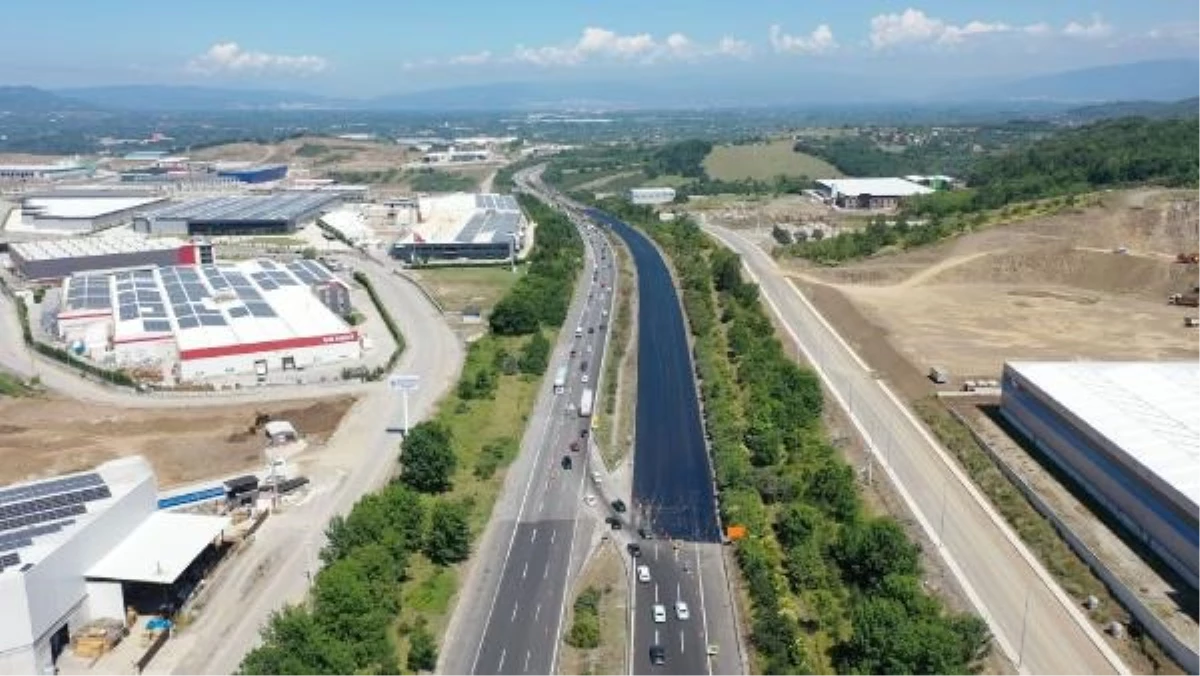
<point x="1179" y="651"/>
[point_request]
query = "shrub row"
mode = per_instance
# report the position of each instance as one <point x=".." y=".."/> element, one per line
<point x="390" y="323"/>
<point x="832" y="588"/>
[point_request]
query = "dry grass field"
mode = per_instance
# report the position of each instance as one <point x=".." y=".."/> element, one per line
<point x="765" y="161"/>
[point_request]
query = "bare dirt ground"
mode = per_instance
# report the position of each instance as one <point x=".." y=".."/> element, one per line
<point x="321" y="154"/>
<point x="1047" y="288"/>
<point x="42" y="437"/>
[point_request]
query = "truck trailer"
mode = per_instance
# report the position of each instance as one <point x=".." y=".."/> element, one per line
<point x="560" y="380"/>
<point x="585" y="403"/>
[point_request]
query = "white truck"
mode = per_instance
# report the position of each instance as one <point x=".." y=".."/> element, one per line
<point x="585" y="403"/>
<point x="560" y="380"/>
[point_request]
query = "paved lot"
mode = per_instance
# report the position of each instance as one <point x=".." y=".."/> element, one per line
<point x="1034" y="623"/>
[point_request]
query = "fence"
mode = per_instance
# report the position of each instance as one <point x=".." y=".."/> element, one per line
<point x="1158" y="630"/>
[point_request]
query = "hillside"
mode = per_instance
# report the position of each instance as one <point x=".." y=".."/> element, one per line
<point x="764" y="161"/>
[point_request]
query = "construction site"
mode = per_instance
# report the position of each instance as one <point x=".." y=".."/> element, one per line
<point x="1113" y="281"/>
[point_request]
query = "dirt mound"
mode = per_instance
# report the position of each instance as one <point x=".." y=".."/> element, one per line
<point x="1144" y="277"/>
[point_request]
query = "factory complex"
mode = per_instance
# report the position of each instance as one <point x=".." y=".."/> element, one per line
<point x="91" y="546"/>
<point x="869" y="193"/>
<point x="463" y="226"/>
<point x="83" y="211"/>
<point x="204" y="321"/>
<point x="224" y="215"/>
<point x="53" y="260"/>
<point x="1127" y="433"/>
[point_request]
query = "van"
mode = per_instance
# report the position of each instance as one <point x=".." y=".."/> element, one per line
<point x="578" y="331"/>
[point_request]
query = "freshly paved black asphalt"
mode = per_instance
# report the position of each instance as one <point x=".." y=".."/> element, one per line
<point x="672" y="479"/>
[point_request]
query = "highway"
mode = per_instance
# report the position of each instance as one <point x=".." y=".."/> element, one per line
<point x="509" y="618"/>
<point x="673" y="491"/>
<point x="1035" y="625"/>
<point x="360" y="456"/>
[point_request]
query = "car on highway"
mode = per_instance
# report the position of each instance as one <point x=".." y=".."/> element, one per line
<point x="596" y="477"/>
<point x="566" y="462"/>
<point x="591" y="329"/>
<point x="635" y="550"/>
<point x="660" y="613"/>
<point x="618" y="506"/>
<point x="613" y="522"/>
<point x="584" y="379"/>
<point x="643" y="573"/>
<point x="681" y="610"/>
<point x="658" y="655"/>
<point x="645" y="533"/>
<point x="589" y="500"/>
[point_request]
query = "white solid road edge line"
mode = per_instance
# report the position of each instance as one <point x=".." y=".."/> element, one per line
<point x="1009" y="535"/>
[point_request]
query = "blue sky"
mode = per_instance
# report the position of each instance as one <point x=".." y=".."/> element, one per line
<point x="356" y="48"/>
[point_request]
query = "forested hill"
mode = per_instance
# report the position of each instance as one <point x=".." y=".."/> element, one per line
<point x="1111" y="153"/>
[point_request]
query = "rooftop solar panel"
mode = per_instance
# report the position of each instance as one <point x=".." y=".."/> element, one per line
<point x="260" y="309"/>
<point x="127" y="312"/>
<point x="239" y="311"/>
<point x="42" y="517"/>
<point x="212" y="320"/>
<point x="268" y="285"/>
<point x="49" y="487"/>
<point x="156" y="326"/>
<point x="9" y="560"/>
<point x="189" y="322"/>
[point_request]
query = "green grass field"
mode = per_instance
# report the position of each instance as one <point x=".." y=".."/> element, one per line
<point x="729" y="163"/>
<point x="457" y="288"/>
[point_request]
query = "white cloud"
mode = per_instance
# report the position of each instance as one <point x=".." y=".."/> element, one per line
<point x="229" y="57"/>
<point x="471" y="59"/>
<point x="820" y="41"/>
<point x="915" y="27"/>
<point x="1096" y="29"/>
<point x="739" y="49"/>
<point x="1040" y="28"/>
<point x="597" y="45"/>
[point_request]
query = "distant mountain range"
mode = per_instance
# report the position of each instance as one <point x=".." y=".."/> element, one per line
<point x="1148" y="81"/>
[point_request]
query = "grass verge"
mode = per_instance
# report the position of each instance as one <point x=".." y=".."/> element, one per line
<point x="603" y="580"/>
<point x="616" y="427"/>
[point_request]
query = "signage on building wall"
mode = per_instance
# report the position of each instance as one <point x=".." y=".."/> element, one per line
<point x="340" y="338"/>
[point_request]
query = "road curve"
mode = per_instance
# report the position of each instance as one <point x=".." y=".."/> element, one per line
<point x="1034" y="623"/>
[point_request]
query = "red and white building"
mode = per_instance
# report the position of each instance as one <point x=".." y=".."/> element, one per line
<point x="209" y="320"/>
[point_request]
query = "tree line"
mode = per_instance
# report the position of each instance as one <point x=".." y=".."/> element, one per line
<point x="350" y="622"/>
<point x="832" y="587"/>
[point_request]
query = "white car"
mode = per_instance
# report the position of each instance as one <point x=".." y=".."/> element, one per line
<point x="596" y="477"/>
<point x="590" y="500"/>
<point x="681" y="610"/>
<point x="660" y="613"/>
<point x="584" y="379"/>
<point x="643" y="573"/>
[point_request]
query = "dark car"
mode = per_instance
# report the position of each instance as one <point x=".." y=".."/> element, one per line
<point x="618" y="506"/>
<point x="635" y="550"/>
<point x="591" y="329"/>
<point x="613" y="522"/>
<point x="583" y="433"/>
<point x="566" y="462"/>
<point x="658" y="655"/>
<point x="645" y="534"/>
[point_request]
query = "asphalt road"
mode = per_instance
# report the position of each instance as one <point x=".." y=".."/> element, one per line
<point x="673" y="493"/>
<point x="521" y="602"/>
<point x="1033" y="622"/>
<point x="358" y="458"/>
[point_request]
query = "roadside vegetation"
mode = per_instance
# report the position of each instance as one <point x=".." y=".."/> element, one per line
<point x="12" y="386"/>
<point x="432" y="180"/>
<point x="833" y="588"/>
<point x="616" y="426"/>
<point x="596" y="637"/>
<point x="391" y="564"/>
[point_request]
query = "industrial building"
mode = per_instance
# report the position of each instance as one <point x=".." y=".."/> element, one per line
<point x="1127" y="433"/>
<point x="51" y="260"/>
<point x="209" y="321"/>
<point x="228" y="215"/>
<point x="44" y="172"/>
<point x="87" y="546"/>
<point x="83" y="211"/>
<point x="868" y="193"/>
<point x="262" y="174"/>
<point x="936" y="181"/>
<point x="651" y="195"/>
<point x="464" y="226"/>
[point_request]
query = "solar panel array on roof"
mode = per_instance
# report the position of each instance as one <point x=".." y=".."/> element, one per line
<point x="9" y="560"/>
<point x="48" y="502"/>
<point x="138" y="296"/>
<point x="187" y="291"/>
<point x="495" y="226"/>
<point x="24" y="537"/>
<point x="89" y="292"/>
<point x="50" y="487"/>
<point x="496" y="202"/>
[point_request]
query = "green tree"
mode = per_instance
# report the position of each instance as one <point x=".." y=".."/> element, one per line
<point x="870" y="551"/>
<point x="294" y="643"/>
<point x="514" y="315"/>
<point x="422" y="649"/>
<point x="535" y="355"/>
<point x="428" y="459"/>
<point x="449" y="537"/>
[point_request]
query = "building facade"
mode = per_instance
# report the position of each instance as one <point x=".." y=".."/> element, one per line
<point x="651" y="195"/>
<point x="1126" y="433"/>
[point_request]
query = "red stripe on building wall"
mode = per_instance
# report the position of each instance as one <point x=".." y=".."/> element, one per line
<point x="83" y="315"/>
<point x="187" y="254"/>
<point x="268" y="346"/>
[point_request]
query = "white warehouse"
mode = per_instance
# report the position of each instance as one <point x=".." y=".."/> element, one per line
<point x="87" y="546"/>
<point x="210" y="320"/>
<point x="651" y="195"/>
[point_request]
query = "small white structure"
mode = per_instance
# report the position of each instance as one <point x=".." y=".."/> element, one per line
<point x="651" y="195"/>
<point x="280" y="432"/>
<point x="72" y="547"/>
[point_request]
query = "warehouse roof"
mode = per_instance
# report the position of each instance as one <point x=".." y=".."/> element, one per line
<point x="75" y="247"/>
<point x="85" y="207"/>
<point x="1149" y="410"/>
<point x="160" y="548"/>
<point x="283" y="206"/>
<point x="466" y="218"/>
<point x="879" y="187"/>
